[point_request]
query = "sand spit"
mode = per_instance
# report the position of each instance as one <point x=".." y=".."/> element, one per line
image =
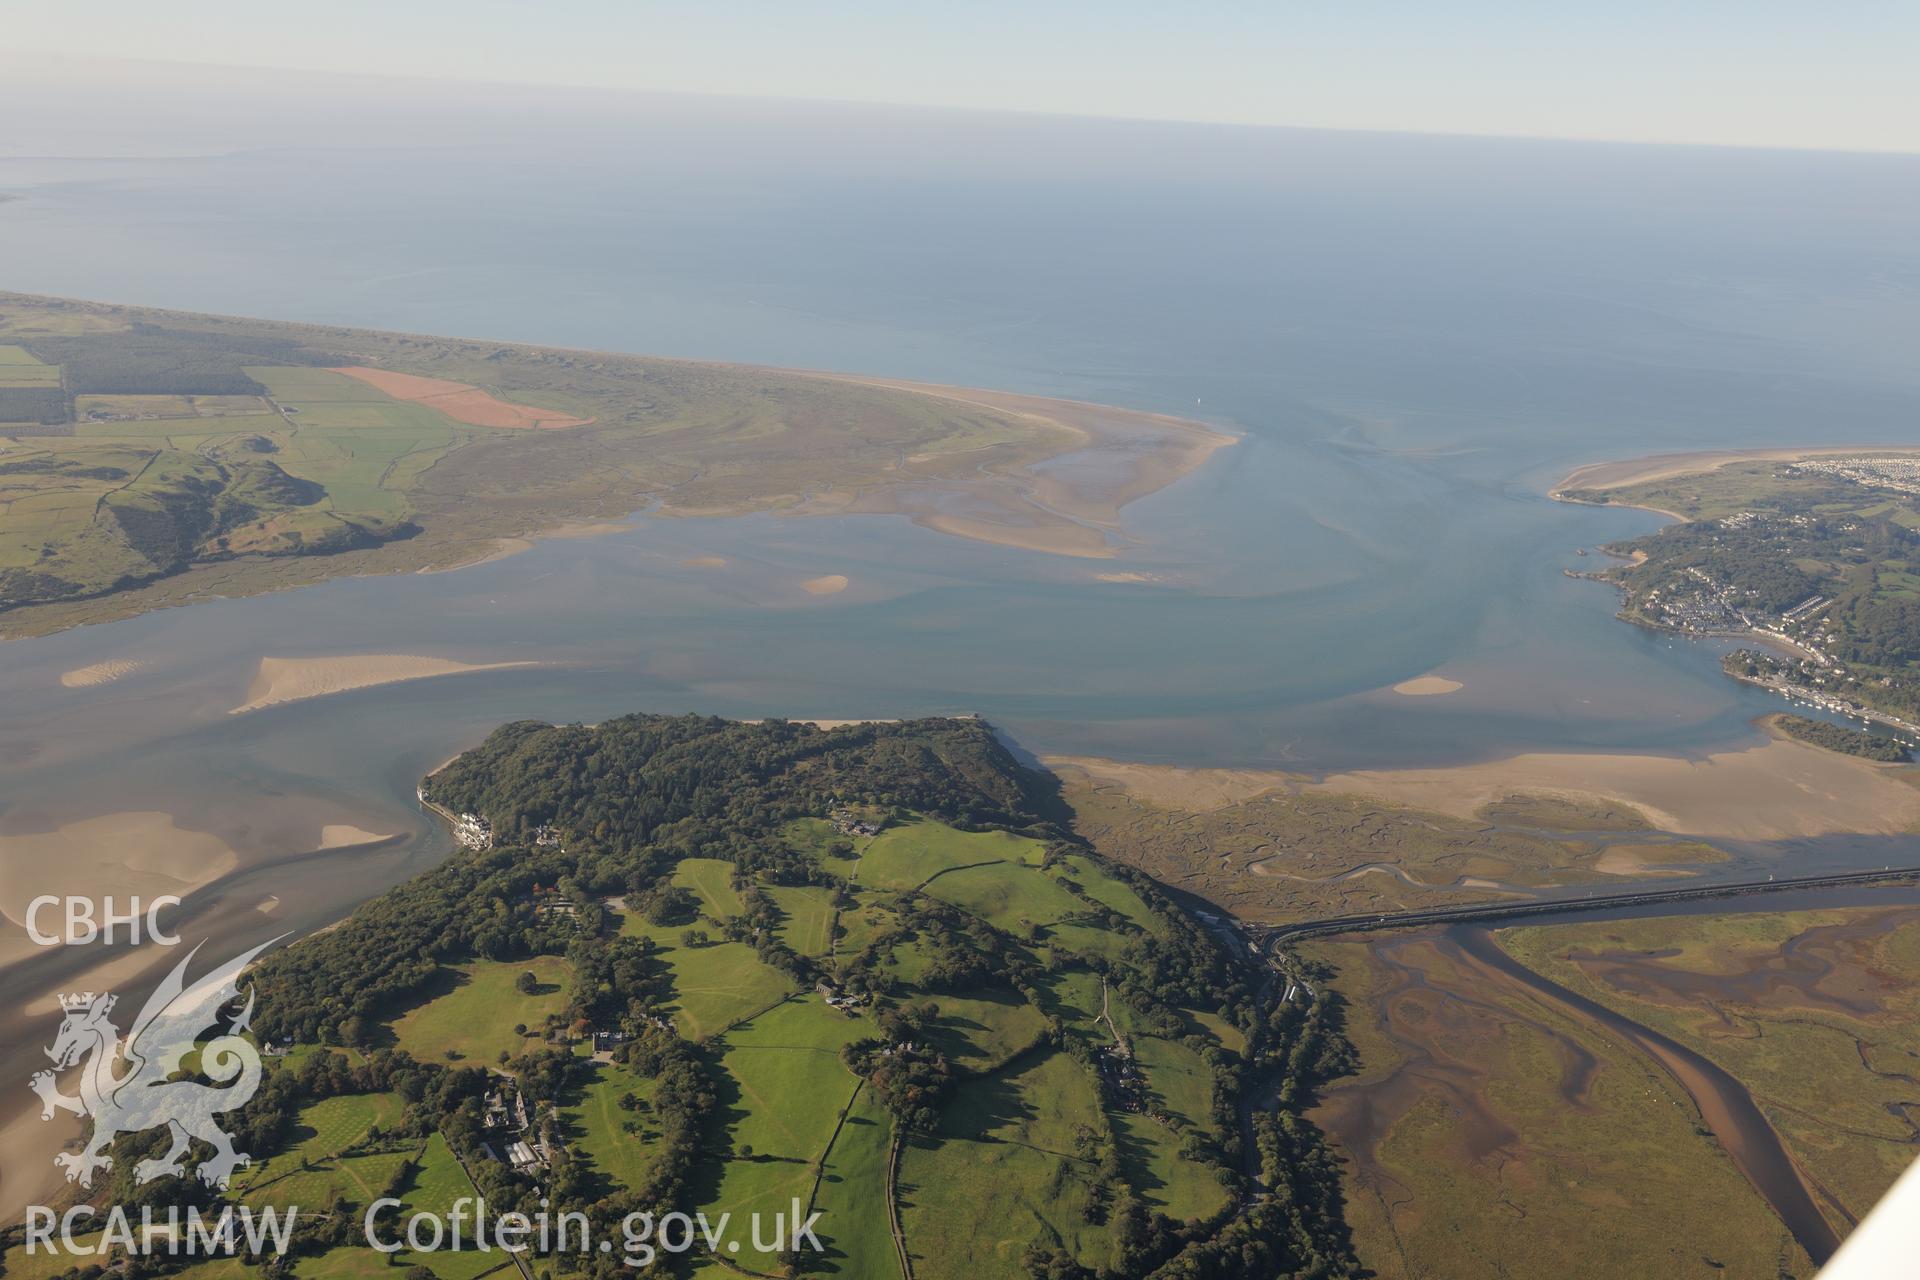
<point x="279" y="680"/>
<point x="1067" y="504"/>
<point x="100" y="673"/>
<point x="1665" y="466"/>
<point x="1781" y="790"/>
<point x="461" y="401"/>
<point x="1428" y="687"/>
<point x="831" y="584"/>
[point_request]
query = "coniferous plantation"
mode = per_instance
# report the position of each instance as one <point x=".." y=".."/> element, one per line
<point x="696" y="965"/>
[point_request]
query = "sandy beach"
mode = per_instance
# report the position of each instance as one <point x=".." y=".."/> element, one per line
<point x="1665" y="466"/>
<point x="1779" y="790"/>
<point x="279" y="680"/>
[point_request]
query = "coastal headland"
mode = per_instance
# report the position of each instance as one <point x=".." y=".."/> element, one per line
<point x="1805" y="553"/>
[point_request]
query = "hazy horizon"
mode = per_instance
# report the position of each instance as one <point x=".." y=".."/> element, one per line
<point x="1757" y="75"/>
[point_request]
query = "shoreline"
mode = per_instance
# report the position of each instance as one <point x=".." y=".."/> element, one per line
<point x="1625" y="473"/>
<point x="1779" y="789"/>
<point x="1619" y="473"/>
<point x="1052" y="477"/>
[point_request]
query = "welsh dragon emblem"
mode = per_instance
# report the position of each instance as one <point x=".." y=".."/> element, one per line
<point x="126" y="1085"/>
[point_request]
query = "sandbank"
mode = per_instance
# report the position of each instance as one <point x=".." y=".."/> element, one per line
<point x="100" y="673"/>
<point x="1061" y="538"/>
<point x="341" y="835"/>
<point x="1780" y="790"/>
<point x="138" y="853"/>
<point x="704" y="562"/>
<point x="1428" y="687"/>
<point x="1776" y="791"/>
<point x="831" y="584"/>
<point x="279" y="680"/>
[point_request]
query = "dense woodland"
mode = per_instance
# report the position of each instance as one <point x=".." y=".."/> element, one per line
<point x="1844" y="738"/>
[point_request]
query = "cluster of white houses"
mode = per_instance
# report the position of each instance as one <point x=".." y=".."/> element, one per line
<point x="473" y="831"/>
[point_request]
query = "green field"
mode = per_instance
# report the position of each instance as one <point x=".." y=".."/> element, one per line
<point x="715" y="984"/>
<point x="1014" y="1164"/>
<point x="1047" y="1101"/>
<point x="981" y="1032"/>
<point x="1178" y="1080"/>
<point x="862" y="924"/>
<point x="785" y="1091"/>
<point x="809" y="917"/>
<point x="1179" y="1087"/>
<point x="311" y="1173"/>
<point x="437" y="1183"/>
<point x="1103" y="888"/>
<point x="852" y="1199"/>
<point x="907" y="856"/>
<point x="1011" y="897"/>
<point x="474" y="1016"/>
<point x="18" y="368"/>
<point x="1225" y="1033"/>
<point x="598" y="1124"/>
<point x="711" y="881"/>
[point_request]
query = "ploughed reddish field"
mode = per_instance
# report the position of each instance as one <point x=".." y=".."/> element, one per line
<point x="461" y="402"/>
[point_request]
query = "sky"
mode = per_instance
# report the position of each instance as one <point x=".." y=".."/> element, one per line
<point x="1837" y="74"/>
